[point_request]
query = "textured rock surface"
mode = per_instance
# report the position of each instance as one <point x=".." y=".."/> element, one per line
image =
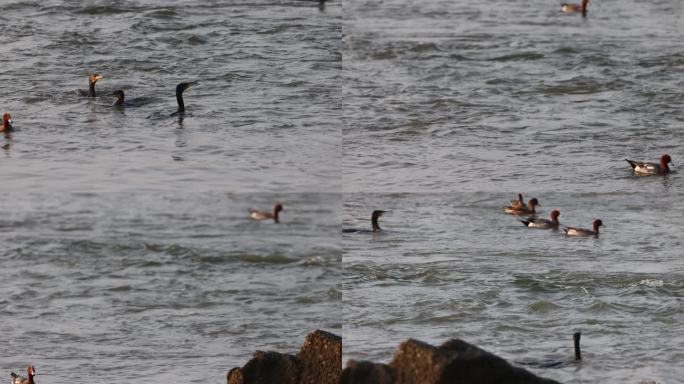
<point x="319" y="361"/>
<point x="455" y="362"/>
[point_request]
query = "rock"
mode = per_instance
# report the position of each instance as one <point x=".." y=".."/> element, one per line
<point x="319" y="361"/>
<point x="321" y="358"/>
<point x="455" y="362"/>
<point x="265" y="368"/>
<point x="366" y="372"/>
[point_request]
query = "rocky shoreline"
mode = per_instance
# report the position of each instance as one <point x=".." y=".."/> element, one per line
<point x="319" y="361"/>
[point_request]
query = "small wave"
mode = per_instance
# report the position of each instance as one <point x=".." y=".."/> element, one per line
<point x="651" y="282"/>
<point x="518" y="57"/>
<point x="543" y="306"/>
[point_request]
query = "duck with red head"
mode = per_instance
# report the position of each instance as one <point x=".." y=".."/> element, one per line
<point x="643" y="168"/>
<point x="265" y="215"/>
<point x="543" y="223"/>
<point x="6" y="123"/>
<point x="92" y="79"/>
<point x="574" y="231"/>
<point x="570" y="8"/>
<point x="30" y="372"/>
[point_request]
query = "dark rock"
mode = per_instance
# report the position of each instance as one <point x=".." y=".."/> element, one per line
<point x="455" y="362"/>
<point x="267" y="368"/>
<point x="319" y="362"/>
<point x="321" y="358"/>
<point x="366" y="372"/>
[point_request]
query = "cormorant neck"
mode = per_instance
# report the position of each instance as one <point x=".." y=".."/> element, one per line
<point x="374" y="222"/>
<point x="578" y="353"/>
<point x="91" y="89"/>
<point x="179" y="98"/>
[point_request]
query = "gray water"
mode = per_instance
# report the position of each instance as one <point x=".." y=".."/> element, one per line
<point x="451" y="109"/>
<point x="126" y="248"/>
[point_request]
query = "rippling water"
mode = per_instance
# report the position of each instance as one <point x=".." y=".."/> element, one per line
<point x="126" y="249"/>
<point x="167" y="287"/>
<point x="265" y="115"/>
<point x="454" y="265"/>
<point x="451" y="108"/>
<point x="499" y="95"/>
<point x="127" y="253"/>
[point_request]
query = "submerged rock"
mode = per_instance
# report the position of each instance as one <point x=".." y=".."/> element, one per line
<point x="319" y="361"/>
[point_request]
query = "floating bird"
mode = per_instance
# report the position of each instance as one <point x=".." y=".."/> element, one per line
<point x="30" y="372"/>
<point x="523" y="210"/>
<point x="264" y="215"/>
<point x="180" y="88"/>
<point x="555" y="362"/>
<point x="643" y="168"/>
<point x="543" y="223"/>
<point x="92" y="79"/>
<point x="574" y="231"/>
<point x="519" y="202"/>
<point x="6" y="123"/>
<point x="572" y="8"/>
<point x="374" y="223"/>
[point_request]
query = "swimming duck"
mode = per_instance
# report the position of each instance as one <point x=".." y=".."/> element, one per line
<point x="519" y="202"/>
<point x="30" y="372"/>
<point x="523" y="210"/>
<point x="374" y="224"/>
<point x="92" y="79"/>
<point x="573" y="231"/>
<point x="264" y="215"/>
<point x="565" y="7"/>
<point x="543" y="223"/>
<point x="642" y="168"/>
<point x="6" y="123"/>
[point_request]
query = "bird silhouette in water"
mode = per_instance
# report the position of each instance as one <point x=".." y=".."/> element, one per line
<point x="374" y="224"/>
<point x="557" y="362"/>
<point x="92" y="79"/>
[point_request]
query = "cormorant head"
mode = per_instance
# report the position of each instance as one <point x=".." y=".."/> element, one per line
<point x="183" y="86"/>
<point x="376" y="214"/>
<point x="92" y="79"/>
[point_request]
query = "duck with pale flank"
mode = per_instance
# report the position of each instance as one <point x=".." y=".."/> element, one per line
<point x="533" y="222"/>
<point x="528" y="209"/>
<point x="92" y="79"/>
<point x="6" y="123"/>
<point x="519" y="202"/>
<point x="265" y="215"/>
<point x="574" y="231"/>
<point x="30" y="372"/>
<point x="574" y="8"/>
<point x="374" y="224"/>
<point x="644" y="168"/>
